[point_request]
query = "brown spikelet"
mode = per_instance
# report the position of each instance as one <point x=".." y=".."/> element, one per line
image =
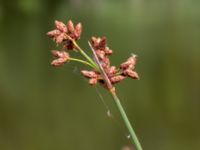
<point x="89" y="74"/>
<point x="70" y="26"/>
<point x="117" y="79"/>
<point x="93" y="81"/>
<point x="61" y="58"/>
<point x="60" y="26"/>
<point x="53" y="33"/>
<point x="130" y="63"/>
<point x="132" y="74"/>
<point x="78" y="30"/>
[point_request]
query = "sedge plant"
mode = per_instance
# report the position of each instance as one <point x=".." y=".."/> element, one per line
<point x="101" y="71"/>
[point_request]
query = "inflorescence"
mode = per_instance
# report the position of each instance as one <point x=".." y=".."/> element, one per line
<point x="67" y="35"/>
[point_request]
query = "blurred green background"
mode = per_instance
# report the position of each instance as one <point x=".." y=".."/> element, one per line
<point x="46" y="108"/>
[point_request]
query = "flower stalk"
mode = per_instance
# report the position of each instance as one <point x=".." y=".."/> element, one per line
<point x="81" y="61"/>
<point x="77" y="47"/>
<point x="132" y="133"/>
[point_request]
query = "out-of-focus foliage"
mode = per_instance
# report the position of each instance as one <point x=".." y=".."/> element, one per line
<point x="45" y="108"/>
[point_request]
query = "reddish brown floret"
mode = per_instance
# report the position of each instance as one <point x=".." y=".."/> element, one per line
<point x="89" y="74"/>
<point x="65" y="33"/>
<point x="61" y="56"/>
<point x="132" y="74"/>
<point x="93" y="81"/>
<point x="130" y="63"/>
<point x="60" y="26"/>
<point x="117" y="79"/>
<point x="74" y="32"/>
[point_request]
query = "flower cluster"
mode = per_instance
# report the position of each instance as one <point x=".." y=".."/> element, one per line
<point x="68" y="35"/>
<point x="114" y="75"/>
<point x="128" y="67"/>
<point x="65" y="33"/>
<point x="61" y="58"/>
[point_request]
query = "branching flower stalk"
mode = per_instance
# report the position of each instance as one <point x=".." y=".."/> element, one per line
<point x="102" y="72"/>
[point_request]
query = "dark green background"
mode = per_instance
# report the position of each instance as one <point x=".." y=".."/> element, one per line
<point x="46" y="108"/>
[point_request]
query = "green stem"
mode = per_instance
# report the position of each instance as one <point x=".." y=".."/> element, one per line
<point x="133" y="136"/>
<point x="82" y="61"/>
<point x="85" y="55"/>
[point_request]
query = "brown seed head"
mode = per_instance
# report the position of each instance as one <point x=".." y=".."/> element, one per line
<point x="58" y="62"/>
<point x="108" y="51"/>
<point x="102" y="43"/>
<point x="100" y="54"/>
<point x="93" y="81"/>
<point x="60" y="26"/>
<point x="111" y="71"/>
<point x="59" y="39"/>
<point x="78" y="31"/>
<point x="60" y="54"/>
<point x="62" y="57"/>
<point x="117" y="79"/>
<point x="98" y="43"/>
<point x="94" y="42"/>
<point x="89" y="74"/>
<point x="53" y="33"/>
<point x="130" y="63"/>
<point x="70" y="26"/>
<point x="105" y="62"/>
<point x="132" y="74"/>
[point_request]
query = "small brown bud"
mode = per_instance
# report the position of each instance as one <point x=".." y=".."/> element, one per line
<point x="108" y="51"/>
<point x="94" y="42"/>
<point x="105" y="62"/>
<point x="111" y="71"/>
<point x="62" y="57"/>
<point x="102" y="42"/>
<point x="93" y="81"/>
<point x="70" y="26"/>
<point x="98" y="43"/>
<point x="58" y="62"/>
<point x="60" y="54"/>
<point x="56" y="53"/>
<point x="60" y="26"/>
<point x="130" y="63"/>
<point x="93" y="39"/>
<point x="53" y="33"/>
<point x="132" y="74"/>
<point x="117" y="79"/>
<point x="100" y="54"/>
<point x="89" y="74"/>
<point x="78" y="30"/>
<point x="59" y="39"/>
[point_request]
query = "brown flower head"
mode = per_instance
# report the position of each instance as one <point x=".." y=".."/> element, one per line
<point x="102" y="51"/>
<point x="61" y="56"/>
<point x="65" y="33"/>
<point x="92" y="75"/>
<point x="128" y="66"/>
<point x="60" y="26"/>
<point x="130" y="73"/>
<point x="117" y="79"/>
<point x="58" y="34"/>
<point x="130" y="63"/>
<point x="74" y="32"/>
